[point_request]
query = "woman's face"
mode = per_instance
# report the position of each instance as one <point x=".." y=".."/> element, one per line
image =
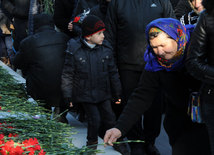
<point x="164" y="46"/>
<point x="198" y="5"/>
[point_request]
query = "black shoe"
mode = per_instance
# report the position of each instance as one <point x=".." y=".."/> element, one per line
<point x="92" y="145"/>
<point x="151" y="149"/>
<point x="122" y="148"/>
<point x="137" y="149"/>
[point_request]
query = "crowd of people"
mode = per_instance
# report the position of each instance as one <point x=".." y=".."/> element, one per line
<point x="114" y="61"/>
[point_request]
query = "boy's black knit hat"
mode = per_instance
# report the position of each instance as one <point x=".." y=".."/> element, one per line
<point x="91" y="25"/>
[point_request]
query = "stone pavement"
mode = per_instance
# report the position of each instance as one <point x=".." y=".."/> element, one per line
<point x="79" y="139"/>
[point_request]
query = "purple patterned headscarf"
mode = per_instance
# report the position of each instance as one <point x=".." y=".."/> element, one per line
<point x="178" y="32"/>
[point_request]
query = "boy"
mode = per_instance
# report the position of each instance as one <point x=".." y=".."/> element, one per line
<point x="90" y="77"/>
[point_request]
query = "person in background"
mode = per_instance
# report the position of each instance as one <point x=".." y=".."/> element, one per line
<point x="165" y="69"/>
<point x="42" y="57"/>
<point x="174" y="3"/>
<point x="192" y="16"/>
<point x="100" y="10"/>
<point x="63" y="13"/>
<point x="183" y="7"/>
<point x="19" y="10"/>
<point x="200" y="64"/>
<point x="82" y="7"/>
<point x="6" y="28"/>
<point x="90" y="78"/>
<point x="126" y="22"/>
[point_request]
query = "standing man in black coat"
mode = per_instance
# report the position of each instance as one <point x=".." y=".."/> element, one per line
<point x="63" y="12"/>
<point x="126" y="22"/>
<point x="42" y="57"/>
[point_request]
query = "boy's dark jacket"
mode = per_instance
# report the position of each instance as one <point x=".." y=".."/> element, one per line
<point x="90" y="75"/>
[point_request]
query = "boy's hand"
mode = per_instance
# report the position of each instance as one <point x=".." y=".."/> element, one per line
<point x="118" y="101"/>
<point x="70" y="26"/>
<point x="111" y="136"/>
<point x="71" y="104"/>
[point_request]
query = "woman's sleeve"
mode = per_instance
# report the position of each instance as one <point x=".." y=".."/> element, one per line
<point x="140" y="100"/>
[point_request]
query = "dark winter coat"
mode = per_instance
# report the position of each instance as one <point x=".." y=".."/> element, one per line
<point x="90" y="75"/>
<point x="100" y="10"/>
<point x="126" y="21"/>
<point x="174" y="3"/>
<point x="200" y="61"/>
<point x="42" y="57"/>
<point x="63" y="12"/>
<point x="17" y="8"/>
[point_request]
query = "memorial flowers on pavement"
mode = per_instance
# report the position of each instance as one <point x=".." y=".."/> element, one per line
<point x="26" y="128"/>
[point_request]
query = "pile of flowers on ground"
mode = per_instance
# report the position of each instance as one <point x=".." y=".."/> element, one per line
<point x="28" y="147"/>
<point x="26" y="128"/>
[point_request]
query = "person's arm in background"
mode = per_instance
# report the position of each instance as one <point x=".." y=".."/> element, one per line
<point x="61" y="19"/>
<point x="168" y="10"/>
<point x="114" y="78"/>
<point x="197" y="53"/>
<point x="68" y="77"/>
<point x="111" y="24"/>
<point x="21" y="57"/>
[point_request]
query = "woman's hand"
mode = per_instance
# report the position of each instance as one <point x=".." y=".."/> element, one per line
<point x="111" y="136"/>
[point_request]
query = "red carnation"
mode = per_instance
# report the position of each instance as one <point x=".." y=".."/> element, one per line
<point x="41" y="152"/>
<point x="12" y="135"/>
<point x="1" y="136"/>
<point x="76" y="19"/>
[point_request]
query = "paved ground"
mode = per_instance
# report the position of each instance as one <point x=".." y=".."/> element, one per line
<point x="79" y="139"/>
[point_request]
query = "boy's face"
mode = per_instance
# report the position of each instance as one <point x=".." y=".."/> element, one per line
<point x="96" y="38"/>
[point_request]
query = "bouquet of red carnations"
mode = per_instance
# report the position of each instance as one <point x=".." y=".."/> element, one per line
<point x="27" y="147"/>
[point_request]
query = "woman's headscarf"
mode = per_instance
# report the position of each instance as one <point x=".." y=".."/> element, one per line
<point x="178" y="32"/>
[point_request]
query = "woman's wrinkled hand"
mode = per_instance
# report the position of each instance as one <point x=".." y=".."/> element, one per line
<point x="111" y="136"/>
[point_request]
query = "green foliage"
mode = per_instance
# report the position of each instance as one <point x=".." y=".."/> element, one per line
<point x="29" y="120"/>
<point x="48" y="6"/>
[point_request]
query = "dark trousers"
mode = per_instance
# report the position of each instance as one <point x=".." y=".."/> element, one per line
<point x="97" y="114"/>
<point x="207" y="99"/>
<point x="20" y="32"/>
<point x="176" y="122"/>
<point x="152" y="118"/>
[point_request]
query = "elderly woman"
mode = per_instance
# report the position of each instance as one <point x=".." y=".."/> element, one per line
<point x="201" y="64"/>
<point x="165" y="56"/>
